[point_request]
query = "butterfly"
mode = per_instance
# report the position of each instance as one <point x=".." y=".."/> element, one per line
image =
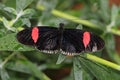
<point x="51" y="40"/>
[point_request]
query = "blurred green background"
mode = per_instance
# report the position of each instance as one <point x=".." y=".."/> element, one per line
<point x="19" y="62"/>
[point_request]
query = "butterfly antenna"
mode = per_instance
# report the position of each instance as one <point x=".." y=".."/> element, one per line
<point x="61" y="25"/>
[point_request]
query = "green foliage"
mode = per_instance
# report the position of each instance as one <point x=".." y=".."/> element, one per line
<point x="12" y="44"/>
<point x="99" y="71"/>
<point x="19" y="62"/>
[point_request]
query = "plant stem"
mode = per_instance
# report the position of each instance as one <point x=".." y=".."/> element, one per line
<point x="102" y="61"/>
<point x="115" y="31"/>
<point x="17" y="17"/>
<point x="69" y="17"/>
<point x="73" y="18"/>
<point x="7" y="59"/>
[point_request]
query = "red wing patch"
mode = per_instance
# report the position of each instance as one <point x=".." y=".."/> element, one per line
<point x="35" y="34"/>
<point x="86" y="38"/>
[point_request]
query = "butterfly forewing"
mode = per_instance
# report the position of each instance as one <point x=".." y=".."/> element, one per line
<point x="24" y="37"/>
<point x="46" y="41"/>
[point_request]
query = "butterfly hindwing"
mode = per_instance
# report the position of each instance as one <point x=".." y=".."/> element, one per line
<point x="96" y="43"/>
<point x="72" y="42"/>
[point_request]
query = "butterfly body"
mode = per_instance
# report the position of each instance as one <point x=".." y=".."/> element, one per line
<point x="68" y="41"/>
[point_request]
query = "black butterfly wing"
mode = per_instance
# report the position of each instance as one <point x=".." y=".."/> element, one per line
<point x="46" y="41"/>
<point x="74" y="42"/>
<point x="69" y="41"/>
<point x="95" y="44"/>
<point x="25" y="37"/>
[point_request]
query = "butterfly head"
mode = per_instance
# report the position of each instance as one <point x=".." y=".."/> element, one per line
<point x="61" y="25"/>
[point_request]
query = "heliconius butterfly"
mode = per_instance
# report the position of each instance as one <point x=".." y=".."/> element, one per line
<point x="68" y="41"/>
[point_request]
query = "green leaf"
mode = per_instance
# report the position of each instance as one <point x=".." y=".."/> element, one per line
<point x="28" y="12"/>
<point x="79" y="26"/>
<point x="19" y="66"/>
<point x="2" y="32"/>
<point x="37" y="72"/>
<point x="109" y="40"/>
<point x="78" y="72"/>
<point x="104" y="11"/>
<point x="99" y="71"/>
<point x="10" y="43"/>
<point x="2" y="6"/>
<point x="22" y="4"/>
<point x="26" y="21"/>
<point x="22" y="22"/>
<point x="25" y="66"/>
<point x="4" y="75"/>
<point x="87" y="76"/>
<point x="114" y="13"/>
<point x="8" y="24"/>
<point x="10" y="10"/>
<point x="11" y="4"/>
<point x="61" y="58"/>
